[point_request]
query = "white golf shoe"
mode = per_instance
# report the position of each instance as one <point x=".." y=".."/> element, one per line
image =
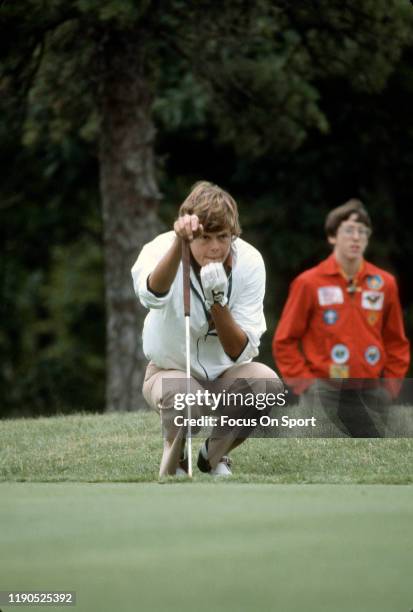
<point x="223" y="468"/>
<point x="180" y="472"/>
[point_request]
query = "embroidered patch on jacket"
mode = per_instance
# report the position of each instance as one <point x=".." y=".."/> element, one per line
<point x="375" y="281"/>
<point x="372" y="300"/>
<point x="330" y="295"/>
<point x="330" y="316"/>
<point x="339" y="371"/>
<point x="372" y="317"/>
<point x="372" y="354"/>
<point x="340" y="353"/>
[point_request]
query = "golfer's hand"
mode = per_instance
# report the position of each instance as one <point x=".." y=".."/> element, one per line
<point x="215" y="284"/>
<point x="188" y="227"/>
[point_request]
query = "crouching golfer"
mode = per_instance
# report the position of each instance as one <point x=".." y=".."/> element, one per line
<point x="227" y="279"/>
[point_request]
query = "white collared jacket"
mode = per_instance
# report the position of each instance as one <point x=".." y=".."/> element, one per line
<point x="164" y="327"/>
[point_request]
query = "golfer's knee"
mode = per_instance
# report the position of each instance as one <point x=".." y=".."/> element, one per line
<point x="266" y="380"/>
<point x="263" y="371"/>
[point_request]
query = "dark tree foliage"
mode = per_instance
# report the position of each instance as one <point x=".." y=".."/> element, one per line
<point x="292" y="106"/>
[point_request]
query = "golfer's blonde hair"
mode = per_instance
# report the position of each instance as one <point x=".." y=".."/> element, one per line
<point x="215" y="208"/>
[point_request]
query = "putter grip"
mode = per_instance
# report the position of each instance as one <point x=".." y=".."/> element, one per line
<point x="186" y="277"/>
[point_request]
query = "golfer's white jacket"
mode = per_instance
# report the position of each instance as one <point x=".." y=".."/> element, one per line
<point x="164" y="327"/>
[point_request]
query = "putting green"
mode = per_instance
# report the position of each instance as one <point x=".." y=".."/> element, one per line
<point x="206" y="546"/>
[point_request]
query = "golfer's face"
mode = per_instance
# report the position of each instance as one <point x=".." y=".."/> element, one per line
<point x="211" y="247"/>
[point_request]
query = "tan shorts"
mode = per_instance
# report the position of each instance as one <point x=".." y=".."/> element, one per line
<point x="154" y="377"/>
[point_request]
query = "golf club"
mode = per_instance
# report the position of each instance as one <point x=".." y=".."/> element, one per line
<point x="187" y="312"/>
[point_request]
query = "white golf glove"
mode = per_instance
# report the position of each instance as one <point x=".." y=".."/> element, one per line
<point x="215" y="284"/>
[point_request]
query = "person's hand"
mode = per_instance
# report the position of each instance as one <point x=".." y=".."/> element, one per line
<point x="215" y="284"/>
<point x="188" y="227"/>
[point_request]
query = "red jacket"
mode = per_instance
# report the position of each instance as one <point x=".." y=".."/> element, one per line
<point x="331" y="329"/>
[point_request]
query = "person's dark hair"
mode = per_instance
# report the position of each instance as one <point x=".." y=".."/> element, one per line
<point x="215" y="208"/>
<point x="336" y="216"/>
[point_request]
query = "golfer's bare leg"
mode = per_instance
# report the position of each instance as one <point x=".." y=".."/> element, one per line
<point x="160" y="397"/>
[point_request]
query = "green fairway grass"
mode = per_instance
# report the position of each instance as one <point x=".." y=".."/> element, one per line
<point x="127" y="448"/>
<point x="81" y="510"/>
<point x="210" y="547"/>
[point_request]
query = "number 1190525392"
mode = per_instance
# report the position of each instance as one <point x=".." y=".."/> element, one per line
<point x="37" y="598"/>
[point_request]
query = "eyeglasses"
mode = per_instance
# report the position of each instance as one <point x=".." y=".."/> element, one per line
<point x="352" y="230"/>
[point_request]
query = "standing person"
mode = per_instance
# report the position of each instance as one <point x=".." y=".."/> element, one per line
<point x="342" y="319"/>
<point x="227" y="279"/>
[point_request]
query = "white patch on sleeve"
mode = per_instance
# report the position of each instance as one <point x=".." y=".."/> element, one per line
<point x="330" y="295"/>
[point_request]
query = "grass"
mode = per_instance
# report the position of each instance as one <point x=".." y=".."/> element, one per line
<point x="81" y="510"/>
<point x="127" y="448"/>
<point x="243" y="547"/>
